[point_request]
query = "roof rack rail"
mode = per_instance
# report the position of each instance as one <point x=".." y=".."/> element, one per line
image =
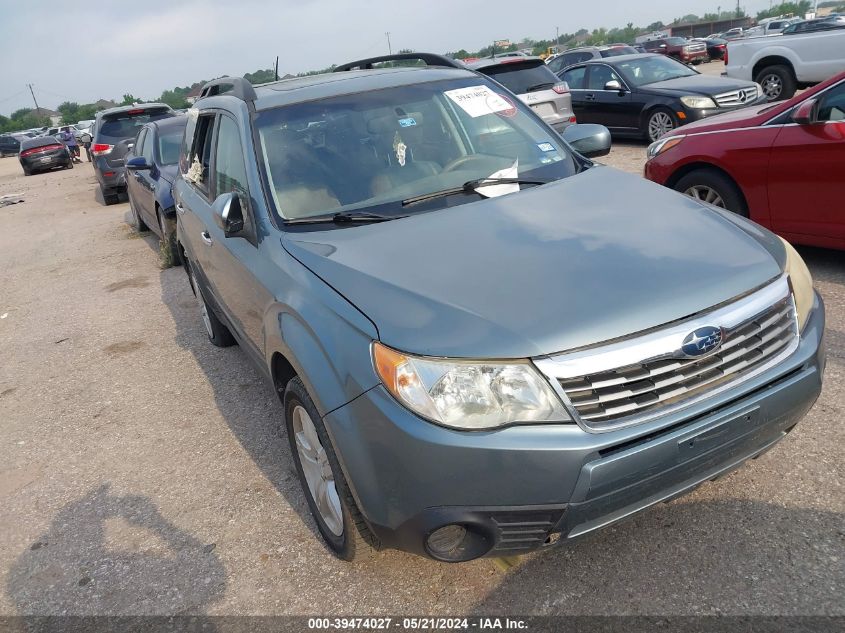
<point x="430" y="59"/>
<point x="240" y="88"/>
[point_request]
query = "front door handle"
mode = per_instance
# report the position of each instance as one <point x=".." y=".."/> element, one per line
<point x="180" y="209"/>
<point x="589" y="97"/>
<point x="206" y="238"/>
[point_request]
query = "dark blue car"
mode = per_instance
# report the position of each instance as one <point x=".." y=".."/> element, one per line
<point x="152" y="166"/>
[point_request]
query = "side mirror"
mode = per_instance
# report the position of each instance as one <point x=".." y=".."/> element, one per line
<point x="228" y="213"/>
<point x="138" y="163"/>
<point x="613" y="84"/>
<point x="807" y="113"/>
<point x="588" y="139"/>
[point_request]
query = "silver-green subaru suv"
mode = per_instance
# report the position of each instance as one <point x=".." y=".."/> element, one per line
<point x="484" y="342"/>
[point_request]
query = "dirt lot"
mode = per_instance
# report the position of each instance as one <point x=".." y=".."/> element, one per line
<point x="142" y="472"/>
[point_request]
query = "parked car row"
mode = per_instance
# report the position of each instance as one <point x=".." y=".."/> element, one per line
<point x="381" y="242"/>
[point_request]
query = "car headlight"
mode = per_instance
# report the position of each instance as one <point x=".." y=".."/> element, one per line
<point x="468" y="395"/>
<point x="801" y="282"/>
<point x="698" y="103"/>
<point x="658" y="147"/>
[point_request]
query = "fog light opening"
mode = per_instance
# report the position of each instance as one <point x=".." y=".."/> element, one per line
<point x="457" y="542"/>
<point x="551" y="539"/>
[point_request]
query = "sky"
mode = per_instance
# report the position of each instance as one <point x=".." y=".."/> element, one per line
<point x="84" y="51"/>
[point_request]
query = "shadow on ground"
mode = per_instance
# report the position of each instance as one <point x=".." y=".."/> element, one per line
<point x="107" y="554"/>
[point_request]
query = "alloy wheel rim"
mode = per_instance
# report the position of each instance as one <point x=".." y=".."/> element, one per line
<point x="659" y="124"/>
<point x="772" y="86"/>
<point x="706" y="194"/>
<point x="317" y="470"/>
<point x="203" y="308"/>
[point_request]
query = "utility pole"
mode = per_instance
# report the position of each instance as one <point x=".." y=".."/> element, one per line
<point x="389" y="49"/>
<point x="33" y="97"/>
<point x="277" y="68"/>
<point x="557" y="36"/>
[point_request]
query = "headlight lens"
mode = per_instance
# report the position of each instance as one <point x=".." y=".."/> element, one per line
<point x="658" y="147"/>
<point x="468" y="395"/>
<point x="698" y="103"/>
<point x="802" y="283"/>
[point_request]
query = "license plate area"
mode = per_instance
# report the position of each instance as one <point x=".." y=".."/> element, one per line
<point x="719" y="434"/>
<point x="543" y="109"/>
<point x="46" y="159"/>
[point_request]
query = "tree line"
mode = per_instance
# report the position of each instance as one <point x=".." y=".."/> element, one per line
<point x="176" y="97"/>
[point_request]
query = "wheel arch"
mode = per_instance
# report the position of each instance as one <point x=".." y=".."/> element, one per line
<point x="688" y="168"/>
<point x="771" y="60"/>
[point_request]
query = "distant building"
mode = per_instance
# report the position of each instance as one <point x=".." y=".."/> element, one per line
<point x="104" y="104"/>
<point x="703" y="29"/>
<point x="193" y="95"/>
<point x="55" y="117"/>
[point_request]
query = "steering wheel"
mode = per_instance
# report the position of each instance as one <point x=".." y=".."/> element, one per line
<point x="463" y="160"/>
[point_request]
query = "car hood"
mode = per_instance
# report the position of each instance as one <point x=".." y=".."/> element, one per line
<point x="588" y="258"/>
<point x="697" y="84"/>
<point x="741" y="117"/>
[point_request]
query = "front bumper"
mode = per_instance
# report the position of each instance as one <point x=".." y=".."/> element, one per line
<point x="525" y="486"/>
<point x="697" y="114"/>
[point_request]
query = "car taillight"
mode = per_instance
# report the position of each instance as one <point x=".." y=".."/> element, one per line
<point x="561" y="88"/>
<point x="43" y="148"/>
<point x="572" y="119"/>
<point x="101" y="149"/>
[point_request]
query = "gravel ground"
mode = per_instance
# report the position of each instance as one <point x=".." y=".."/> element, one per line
<point x="142" y="472"/>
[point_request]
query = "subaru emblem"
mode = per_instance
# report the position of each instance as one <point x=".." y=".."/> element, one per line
<point x="702" y="341"/>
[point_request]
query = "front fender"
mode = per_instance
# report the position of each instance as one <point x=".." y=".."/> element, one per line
<point x="324" y="338"/>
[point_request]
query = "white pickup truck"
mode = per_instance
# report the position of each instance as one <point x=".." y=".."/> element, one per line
<point x="784" y="63"/>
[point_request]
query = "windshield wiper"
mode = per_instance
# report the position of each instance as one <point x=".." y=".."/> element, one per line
<point x="470" y="186"/>
<point x="542" y="86"/>
<point x="345" y="217"/>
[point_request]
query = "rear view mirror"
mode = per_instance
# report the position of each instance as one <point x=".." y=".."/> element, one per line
<point x="807" y="113"/>
<point x="588" y="139"/>
<point x="613" y="84"/>
<point x="138" y="163"/>
<point x="228" y="213"/>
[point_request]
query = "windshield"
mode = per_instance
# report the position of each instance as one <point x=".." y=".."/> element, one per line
<point x="648" y="70"/>
<point x="169" y="145"/>
<point x="675" y="41"/>
<point x="376" y="149"/>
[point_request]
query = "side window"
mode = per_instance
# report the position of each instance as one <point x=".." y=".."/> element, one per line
<point x="832" y="104"/>
<point x="199" y="157"/>
<point x="575" y="77"/>
<point x="229" y="166"/>
<point x="139" y="142"/>
<point x="147" y="147"/>
<point x="570" y="58"/>
<point x="557" y="64"/>
<point x="599" y="76"/>
<point x="583" y="57"/>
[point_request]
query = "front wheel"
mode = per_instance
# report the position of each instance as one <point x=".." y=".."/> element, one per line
<point x="660" y="122"/>
<point x="137" y="223"/>
<point x="340" y="523"/>
<point x="713" y="187"/>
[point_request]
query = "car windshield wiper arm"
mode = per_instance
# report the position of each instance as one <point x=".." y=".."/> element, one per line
<point x="547" y="84"/>
<point x="470" y="186"/>
<point x="345" y="217"/>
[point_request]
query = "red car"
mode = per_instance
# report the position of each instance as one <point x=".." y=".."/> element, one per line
<point x="782" y="164"/>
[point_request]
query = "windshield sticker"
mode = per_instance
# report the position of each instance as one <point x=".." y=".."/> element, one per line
<point x="546" y="147"/>
<point x="400" y="149"/>
<point x="407" y="122"/>
<point x="477" y="101"/>
<point x="493" y="191"/>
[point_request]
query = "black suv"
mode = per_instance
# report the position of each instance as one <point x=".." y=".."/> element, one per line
<point x="115" y="130"/>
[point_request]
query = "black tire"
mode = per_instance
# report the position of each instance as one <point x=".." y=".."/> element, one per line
<point x="26" y="172"/>
<point x="218" y="334"/>
<point x="665" y="114"/>
<point x="356" y="542"/>
<point x="69" y="164"/>
<point x="169" y="249"/>
<point x="137" y="223"/>
<point x="777" y="81"/>
<point x="109" y="197"/>
<point x="710" y="180"/>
